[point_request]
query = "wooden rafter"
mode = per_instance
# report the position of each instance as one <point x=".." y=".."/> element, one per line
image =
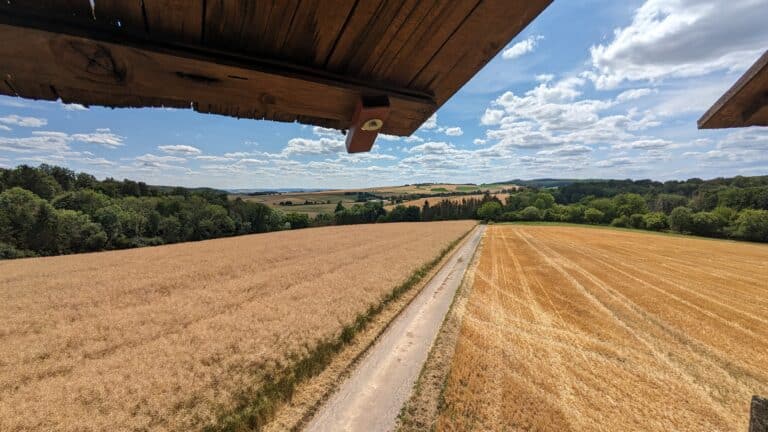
<point x="308" y="61"/>
<point x="745" y="103"/>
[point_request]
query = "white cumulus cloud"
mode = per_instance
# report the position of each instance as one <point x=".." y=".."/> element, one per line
<point x="682" y="38"/>
<point x="180" y="149"/>
<point x="16" y="120"/>
<point x="633" y="94"/>
<point x="74" y="107"/>
<point x="521" y="48"/>
<point x="101" y="137"/>
<point x="305" y="146"/>
<point x="454" y="131"/>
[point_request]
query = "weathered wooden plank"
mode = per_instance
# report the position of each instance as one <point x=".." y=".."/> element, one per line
<point x="745" y="103"/>
<point x="326" y="123"/>
<point x="175" y="20"/>
<point x="125" y="100"/>
<point x="59" y="8"/>
<point x="288" y="60"/>
<point x="105" y="73"/>
<point x="31" y="88"/>
<point x="278" y="26"/>
<point x="238" y="111"/>
<point x="402" y="30"/>
<point x="126" y="14"/>
<point x="366" y="28"/>
<point x="232" y="24"/>
<point x="6" y="90"/>
<point x="314" y="29"/>
<point x="330" y="18"/>
<point x="484" y="32"/>
<point x="237" y="25"/>
<point x="428" y="37"/>
<point x="303" y="32"/>
<point x="365" y="25"/>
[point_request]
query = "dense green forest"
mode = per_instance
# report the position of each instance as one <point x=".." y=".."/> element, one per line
<point x="50" y="210"/>
<point x="734" y="208"/>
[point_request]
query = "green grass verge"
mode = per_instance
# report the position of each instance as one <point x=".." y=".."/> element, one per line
<point x="259" y="407"/>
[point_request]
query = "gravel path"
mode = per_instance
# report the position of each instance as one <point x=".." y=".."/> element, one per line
<point x="371" y="398"/>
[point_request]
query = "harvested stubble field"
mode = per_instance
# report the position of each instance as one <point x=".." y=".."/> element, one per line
<point x="570" y="328"/>
<point x="168" y="338"/>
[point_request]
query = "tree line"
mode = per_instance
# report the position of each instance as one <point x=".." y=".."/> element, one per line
<point x="735" y="208"/>
<point x="50" y="210"/>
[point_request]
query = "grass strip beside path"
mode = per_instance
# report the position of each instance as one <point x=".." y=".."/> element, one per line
<point x="260" y="406"/>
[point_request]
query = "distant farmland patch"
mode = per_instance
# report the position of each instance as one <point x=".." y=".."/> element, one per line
<point x="314" y="203"/>
<point x="573" y="329"/>
<point x="467" y="188"/>
<point x="435" y="200"/>
<point x="174" y="337"/>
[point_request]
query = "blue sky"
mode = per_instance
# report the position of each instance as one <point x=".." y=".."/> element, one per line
<point x="591" y="89"/>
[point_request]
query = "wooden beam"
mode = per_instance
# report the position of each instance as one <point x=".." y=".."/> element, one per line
<point x="744" y="104"/>
<point x="371" y="114"/>
<point x="95" y="65"/>
<point x="463" y="53"/>
<point x="287" y="60"/>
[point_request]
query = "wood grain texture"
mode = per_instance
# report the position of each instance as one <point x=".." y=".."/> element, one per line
<point x="175" y="20"/>
<point x="34" y="89"/>
<point x="288" y="60"/>
<point x="427" y="36"/>
<point x="745" y="103"/>
<point x="303" y="32"/>
<point x="58" y="8"/>
<point x="102" y="73"/>
<point x="126" y="14"/>
<point x="465" y="52"/>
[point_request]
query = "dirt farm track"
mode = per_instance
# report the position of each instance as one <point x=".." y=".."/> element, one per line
<point x="571" y="328"/>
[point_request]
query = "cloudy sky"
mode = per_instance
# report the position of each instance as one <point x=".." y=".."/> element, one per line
<point x="591" y="89"/>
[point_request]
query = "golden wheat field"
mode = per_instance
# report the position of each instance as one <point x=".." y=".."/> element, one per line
<point x="165" y="338"/>
<point x="580" y="329"/>
<point x="435" y="200"/>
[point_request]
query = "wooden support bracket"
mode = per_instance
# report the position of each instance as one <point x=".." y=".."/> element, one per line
<point x="370" y="114"/>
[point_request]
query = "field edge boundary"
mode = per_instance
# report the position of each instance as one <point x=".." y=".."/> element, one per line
<point x="444" y="257"/>
<point x="440" y="356"/>
<point x="663" y="233"/>
<point x="264" y="404"/>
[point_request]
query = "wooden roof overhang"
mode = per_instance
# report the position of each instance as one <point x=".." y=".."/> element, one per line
<point x="744" y="104"/>
<point x="317" y="62"/>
